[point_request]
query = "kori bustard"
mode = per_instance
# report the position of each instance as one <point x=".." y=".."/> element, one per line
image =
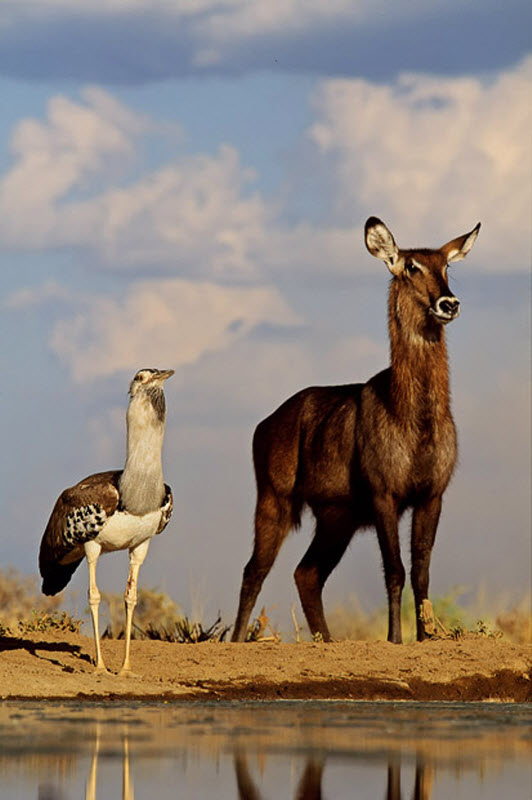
<point x="115" y="510"/>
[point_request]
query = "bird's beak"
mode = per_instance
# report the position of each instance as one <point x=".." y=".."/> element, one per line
<point x="164" y="374"/>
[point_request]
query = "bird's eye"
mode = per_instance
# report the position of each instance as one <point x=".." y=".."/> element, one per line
<point x="411" y="268"/>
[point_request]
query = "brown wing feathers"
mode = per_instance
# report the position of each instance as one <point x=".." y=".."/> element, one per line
<point x="78" y="516"/>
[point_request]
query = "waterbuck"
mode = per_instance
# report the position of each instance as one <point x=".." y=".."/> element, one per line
<point x="359" y="455"/>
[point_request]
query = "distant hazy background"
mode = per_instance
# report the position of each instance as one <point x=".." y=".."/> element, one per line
<point x="184" y="185"/>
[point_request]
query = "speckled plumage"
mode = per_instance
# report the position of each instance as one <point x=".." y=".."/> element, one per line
<point x="79" y="516"/>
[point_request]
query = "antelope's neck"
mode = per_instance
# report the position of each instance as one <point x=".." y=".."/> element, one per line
<point x="141" y="483"/>
<point x="419" y="376"/>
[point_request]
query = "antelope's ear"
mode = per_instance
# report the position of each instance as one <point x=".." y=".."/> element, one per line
<point x="460" y="247"/>
<point x="381" y="244"/>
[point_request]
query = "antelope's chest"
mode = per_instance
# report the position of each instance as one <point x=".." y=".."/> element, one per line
<point x="123" y="531"/>
<point x="433" y="458"/>
<point x="408" y="460"/>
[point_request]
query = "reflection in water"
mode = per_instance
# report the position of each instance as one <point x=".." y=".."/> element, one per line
<point x="298" y="751"/>
<point x="308" y="788"/>
<point x="47" y="792"/>
<point x="310" y="785"/>
<point x="127" y="783"/>
<point x="422" y="785"/>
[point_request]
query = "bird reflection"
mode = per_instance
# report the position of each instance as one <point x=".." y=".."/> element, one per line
<point x="310" y="784"/>
<point x="127" y="783"/>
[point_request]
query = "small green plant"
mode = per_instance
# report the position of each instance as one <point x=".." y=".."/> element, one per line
<point x="457" y="632"/>
<point x="42" y="622"/>
<point x="185" y="631"/>
<point x="481" y="629"/>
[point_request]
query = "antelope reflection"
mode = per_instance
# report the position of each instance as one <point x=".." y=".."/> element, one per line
<point x="310" y="784"/>
<point x="422" y="785"/>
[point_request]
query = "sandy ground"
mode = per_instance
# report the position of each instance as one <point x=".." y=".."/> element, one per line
<point x="59" y="666"/>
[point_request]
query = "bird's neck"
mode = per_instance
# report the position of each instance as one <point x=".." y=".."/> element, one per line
<point x="141" y="483"/>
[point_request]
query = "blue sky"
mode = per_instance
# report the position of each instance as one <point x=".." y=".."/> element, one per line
<point x="184" y="185"/>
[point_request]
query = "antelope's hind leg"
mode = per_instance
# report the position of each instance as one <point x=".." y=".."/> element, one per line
<point x="334" y="530"/>
<point x="272" y="524"/>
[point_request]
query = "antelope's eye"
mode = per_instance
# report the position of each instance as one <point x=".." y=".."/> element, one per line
<point x="411" y="268"/>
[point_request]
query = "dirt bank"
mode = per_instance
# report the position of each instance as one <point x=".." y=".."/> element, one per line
<point x="59" y="667"/>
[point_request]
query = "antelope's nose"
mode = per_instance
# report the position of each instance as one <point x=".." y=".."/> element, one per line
<point x="448" y="307"/>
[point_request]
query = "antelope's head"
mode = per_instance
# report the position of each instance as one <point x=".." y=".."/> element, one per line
<point x="420" y="296"/>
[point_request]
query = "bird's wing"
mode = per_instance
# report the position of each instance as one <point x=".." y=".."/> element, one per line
<point x="78" y="516"/>
<point x="166" y="509"/>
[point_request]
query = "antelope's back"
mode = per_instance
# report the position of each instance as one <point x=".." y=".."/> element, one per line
<point x="307" y="444"/>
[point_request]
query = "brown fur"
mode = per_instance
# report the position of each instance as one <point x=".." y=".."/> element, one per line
<point x="359" y="455"/>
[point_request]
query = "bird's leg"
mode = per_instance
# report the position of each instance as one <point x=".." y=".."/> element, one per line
<point x="92" y="553"/>
<point x="90" y="787"/>
<point x="136" y="558"/>
<point x="127" y="782"/>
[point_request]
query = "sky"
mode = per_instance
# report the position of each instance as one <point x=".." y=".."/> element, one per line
<point x="184" y="185"/>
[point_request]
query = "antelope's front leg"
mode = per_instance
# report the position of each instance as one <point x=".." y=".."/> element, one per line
<point x="136" y="558"/>
<point x="424" y="524"/>
<point x="387" y="524"/>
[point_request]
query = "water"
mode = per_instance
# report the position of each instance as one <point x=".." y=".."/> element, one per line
<point x="254" y="751"/>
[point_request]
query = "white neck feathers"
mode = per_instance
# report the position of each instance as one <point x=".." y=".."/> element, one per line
<point x="141" y="483"/>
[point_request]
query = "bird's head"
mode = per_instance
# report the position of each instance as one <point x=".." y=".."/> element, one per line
<point x="149" y="379"/>
<point x="147" y="387"/>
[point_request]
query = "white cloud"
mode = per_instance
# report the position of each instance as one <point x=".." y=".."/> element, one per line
<point x="166" y="323"/>
<point x="432" y="156"/>
<point x="192" y="214"/>
<point x="75" y="144"/>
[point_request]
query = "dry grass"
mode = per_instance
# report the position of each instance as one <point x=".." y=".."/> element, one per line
<point x="157" y="616"/>
<point x="154" y="608"/>
<point x="351" y="621"/>
<point x="516" y="623"/>
<point x="20" y="596"/>
<point x="23" y="609"/>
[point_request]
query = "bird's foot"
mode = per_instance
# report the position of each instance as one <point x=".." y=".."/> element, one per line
<point x="126" y="672"/>
<point x="101" y="669"/>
